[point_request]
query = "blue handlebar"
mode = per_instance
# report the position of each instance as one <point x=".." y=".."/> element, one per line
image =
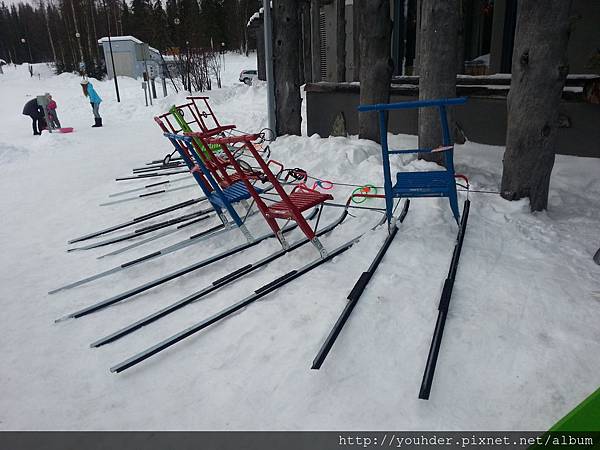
<point x="413" y="104"/>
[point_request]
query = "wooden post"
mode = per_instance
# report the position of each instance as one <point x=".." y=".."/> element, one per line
<point x="539" y="71"/>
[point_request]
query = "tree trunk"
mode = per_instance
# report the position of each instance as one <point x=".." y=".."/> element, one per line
<point x="315" y="44"/>
<point x="460" y="40"/>
<point x="356" y="39"/>
<point x="375" y="61"/>
<point x="286" y="31"/>
<point x="340" y="10"/>
<point x="306" y="44"/>
<point x="45" y="11"/>
<point x="301" y="79"/>
<point x="88" y="32"/>
<point x="69" y="39"/>
<point x="95" y="31"/>
<point x="260" y="52"/>
<point x="417" y="59"/>
<point x="539" y="71"/>
<point x="437" y="68"/>
<point x="78" y="39"/>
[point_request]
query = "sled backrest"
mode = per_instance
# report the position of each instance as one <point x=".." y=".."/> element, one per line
<point x="203" y="113"/>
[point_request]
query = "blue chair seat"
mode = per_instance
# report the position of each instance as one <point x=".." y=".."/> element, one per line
<point x="234" y="193"/>
<point x="424" y="184"/>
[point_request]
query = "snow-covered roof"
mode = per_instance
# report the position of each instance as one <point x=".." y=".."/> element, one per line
<point x="255" y="16"/>
<point x="2" y="61"/>
<point x="126" y="38"/>
<point x="120" y="38"/>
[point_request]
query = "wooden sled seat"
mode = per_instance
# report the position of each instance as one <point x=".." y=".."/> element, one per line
<point x="301" y="199"/>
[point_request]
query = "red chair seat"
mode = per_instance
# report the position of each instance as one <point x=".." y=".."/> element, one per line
<point x="301" y="199"/>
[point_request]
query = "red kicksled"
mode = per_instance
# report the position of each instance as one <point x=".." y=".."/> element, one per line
<point x="290" y="206"/>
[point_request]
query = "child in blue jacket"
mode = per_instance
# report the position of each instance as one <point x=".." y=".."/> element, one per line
<point x="88" y="91"/>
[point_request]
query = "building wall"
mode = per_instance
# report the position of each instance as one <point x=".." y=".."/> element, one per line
<point x="483" y="119"/>
<point x="583" y="50"/>
<point x="584" y="42"/>
<point x="330" y="47"/>
<point x="127" y="56"/>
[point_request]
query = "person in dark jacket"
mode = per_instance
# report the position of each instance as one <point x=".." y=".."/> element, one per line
<point x="36" y="112"/>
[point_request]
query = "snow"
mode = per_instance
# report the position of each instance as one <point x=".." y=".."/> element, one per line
<point x="254" y="17"/>
<point x="519" y="345"/>
<point x="482" y="59"/>
<point x="120" y="38"/>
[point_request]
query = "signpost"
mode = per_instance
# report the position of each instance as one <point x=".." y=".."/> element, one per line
<point x="145" y="88"/>
<point x="146" y="57"/>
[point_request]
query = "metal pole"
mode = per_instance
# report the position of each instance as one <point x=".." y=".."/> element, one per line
<point x="189" y="78"/>
<point x="144" y="49"/>
<point x="145" y="88"/>
<point x="269" y="67"/>
<point x="112" y="59"/>
<point x="29" y="48"/>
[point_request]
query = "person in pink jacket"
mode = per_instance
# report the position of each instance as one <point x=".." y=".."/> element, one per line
<point x="51" y="111"/>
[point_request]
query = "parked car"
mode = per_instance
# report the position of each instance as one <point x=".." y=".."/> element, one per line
<point x="246" y="76"/>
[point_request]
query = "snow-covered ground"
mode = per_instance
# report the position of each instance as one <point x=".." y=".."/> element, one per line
<point x="521" y="343"/>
